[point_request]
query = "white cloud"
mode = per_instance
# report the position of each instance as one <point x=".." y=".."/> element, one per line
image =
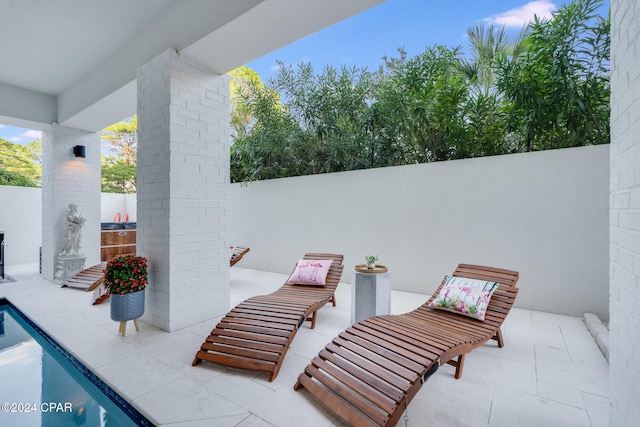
<point x="521" y="16"/>
<point x="28" y="136"/>
<point x="1" y="126"/>
<point x="32" y="135"/>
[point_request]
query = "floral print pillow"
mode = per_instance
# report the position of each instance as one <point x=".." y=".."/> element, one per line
<point x="469" y="297"/>
<point x="310" y="272"/>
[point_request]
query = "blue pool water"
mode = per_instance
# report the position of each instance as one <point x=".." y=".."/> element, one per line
<point x="41" y="384"/>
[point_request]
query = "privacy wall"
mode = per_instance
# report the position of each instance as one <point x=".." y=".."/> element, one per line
<point x="544" y="214"/>
<point x="21" y="220"/>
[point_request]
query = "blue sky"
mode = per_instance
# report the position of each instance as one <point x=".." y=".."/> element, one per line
<point x="364" y="39"/>
<point x="412" y="24"/>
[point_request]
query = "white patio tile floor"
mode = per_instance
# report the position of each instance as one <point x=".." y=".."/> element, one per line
<point x="550" y="372"/>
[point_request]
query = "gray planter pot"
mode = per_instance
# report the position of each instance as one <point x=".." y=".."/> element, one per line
<point x="127" y="307"/>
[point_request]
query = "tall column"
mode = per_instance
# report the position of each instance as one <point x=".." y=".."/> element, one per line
<point x="67" y="179"/>
<point x="183" y="190"/>
<point x="624" y="216"/>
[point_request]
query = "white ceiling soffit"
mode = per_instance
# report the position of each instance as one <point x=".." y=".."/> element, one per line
<point x="105" y="94"/>
<point x="75" y="61"/>
<point x="269" y="26"/>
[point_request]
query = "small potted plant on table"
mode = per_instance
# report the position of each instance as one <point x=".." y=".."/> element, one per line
<point x="371" y="261"/>
<point x="125" y="279"/>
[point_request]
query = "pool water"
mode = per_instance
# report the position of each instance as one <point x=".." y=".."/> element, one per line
<point x="41" y="384"/>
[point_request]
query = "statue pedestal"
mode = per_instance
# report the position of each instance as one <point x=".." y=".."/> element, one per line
<point x="68" y="265"/>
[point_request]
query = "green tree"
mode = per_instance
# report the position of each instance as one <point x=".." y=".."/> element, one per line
<point x="485" y="113"/>
<point x="20" y="164"/>
<point x="546" y="87"/>
<point x="324" y="126"/>
<point x="426" y="97"/>
<point x="268" y="150"/>
<point x="489" y="46"/>
<point x="118" y="176"/>
<point x="15" y="179"/>
<point x="558" y="90"/>
<point x="122" y="138"/>
<point x="244" y="84"/>
<point x="333" y="109"/>
<point x="118" y="173"/>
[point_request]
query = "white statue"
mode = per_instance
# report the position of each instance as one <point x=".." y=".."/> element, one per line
<point x="75" y="221"/>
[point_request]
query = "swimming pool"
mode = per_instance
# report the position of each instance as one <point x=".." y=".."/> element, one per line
<point x="41" y="384"/>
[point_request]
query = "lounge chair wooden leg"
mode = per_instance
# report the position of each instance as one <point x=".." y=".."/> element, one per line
<point x="313" y="320"/>
<point x="459" y="366"/>
<point x="498" y="337"/>
<point x="333" y="300"/>
<point x="136" y="324"/>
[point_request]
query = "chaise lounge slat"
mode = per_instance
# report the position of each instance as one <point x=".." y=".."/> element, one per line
<point x="370" y="372"/>
<point x="257" y="333"/>
<point x="87" y="279"/>
<point x="237" y="254"/>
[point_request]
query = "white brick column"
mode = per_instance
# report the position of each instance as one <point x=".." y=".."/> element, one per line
<point x="624" y="267"/>
<point x="183" y="188"/>
<point x="66" y="179"/>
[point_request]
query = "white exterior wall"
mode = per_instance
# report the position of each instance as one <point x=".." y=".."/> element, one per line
<point x="65" y="180"/>
<point x="624" y="346"/>
<point x="183" y="186"/>
<point x="21" y="220"/>
<point x="545" y="226"/>
<point x="112" y="204"/>
<point x="544" y="214"/>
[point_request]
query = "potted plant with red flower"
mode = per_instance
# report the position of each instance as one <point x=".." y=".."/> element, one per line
<point x="125" y="279"/>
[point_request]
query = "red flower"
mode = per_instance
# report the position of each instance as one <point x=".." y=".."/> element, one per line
<point x="125" y="274"/>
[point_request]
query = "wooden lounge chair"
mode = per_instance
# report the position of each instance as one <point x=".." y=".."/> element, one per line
<point x="92" y="278"/>
<point x="237" y="254"/>
<point x="256" y="334"/>
<point x="88" y="279"/>
<point x="370" y="372"/>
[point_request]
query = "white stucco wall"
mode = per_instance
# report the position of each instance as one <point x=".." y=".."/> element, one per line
<point x="112" y="204"/>
<point x="21" y="220"/>
<point x="544" y="214"/>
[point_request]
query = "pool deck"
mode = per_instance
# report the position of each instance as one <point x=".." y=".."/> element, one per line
<point x="550" y="372"/>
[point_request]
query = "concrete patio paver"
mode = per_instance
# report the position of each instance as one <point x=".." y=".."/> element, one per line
<point x="549" y="373"/>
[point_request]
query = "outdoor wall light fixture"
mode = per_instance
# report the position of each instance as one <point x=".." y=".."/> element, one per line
<point x="79" y="151"/>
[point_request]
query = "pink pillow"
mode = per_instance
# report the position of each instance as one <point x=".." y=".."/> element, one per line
<point x="310" y="272"/>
